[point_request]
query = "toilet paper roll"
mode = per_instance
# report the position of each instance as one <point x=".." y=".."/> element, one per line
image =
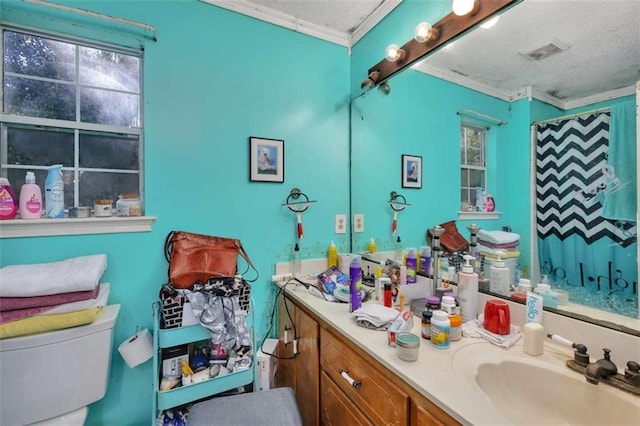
<point x="137" y="349"/>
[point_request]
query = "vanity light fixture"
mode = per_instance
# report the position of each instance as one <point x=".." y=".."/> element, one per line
<point x="394" y="53"/>
<point x="424" y="32"/>
<point x="370" y="81"/>
<point x="397" y="58"/>
<point x="465" y="7"/>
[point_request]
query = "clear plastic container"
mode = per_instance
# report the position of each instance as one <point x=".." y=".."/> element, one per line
<point x="128" y="205"/>
<point x="102" y="208"/>
<point x="408" y="346"/>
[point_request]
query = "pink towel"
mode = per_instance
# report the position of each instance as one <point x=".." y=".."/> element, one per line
<point x="13" y="303"/>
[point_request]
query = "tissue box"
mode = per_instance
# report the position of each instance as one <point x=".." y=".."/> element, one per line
<point x="402" y="324"/>
<point x="332" y="278"/>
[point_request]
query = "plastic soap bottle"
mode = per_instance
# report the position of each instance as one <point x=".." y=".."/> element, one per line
<point x="499" y="276"/>
<point x="398" y="255"/>
<point x="468" y="290"/>
<point x="355" y="272"/>
<point x="54" y="192"/>
<point x="30" y="198"/>
<point x="412" y="266"/>
<point x="372" y="246"/>
<point x="8" y="200"/>
<point x="332" y="256"/>
<point x="378" y="285"/>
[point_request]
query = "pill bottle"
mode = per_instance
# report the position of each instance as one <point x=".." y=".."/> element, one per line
<point x="425" y="330"/>
<point x="433" y="303"/>
<point x="408" y="345"/>
<point x="440" y="329"/>
<point x="456" y="327"/>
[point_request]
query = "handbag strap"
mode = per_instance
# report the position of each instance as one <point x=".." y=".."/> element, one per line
<point x="167" y="246"/>
<point x="250" y="265"/>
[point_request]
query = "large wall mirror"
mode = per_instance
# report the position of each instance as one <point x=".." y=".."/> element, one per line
<point x="546" y="67"/>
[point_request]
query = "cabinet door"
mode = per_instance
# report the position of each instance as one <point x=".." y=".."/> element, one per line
<point x="307" y="368"/>
<point x="426" y="413"/>
<point x="337" y="409"/>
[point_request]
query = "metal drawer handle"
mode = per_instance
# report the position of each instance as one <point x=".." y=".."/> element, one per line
<point x="345" y="375"/>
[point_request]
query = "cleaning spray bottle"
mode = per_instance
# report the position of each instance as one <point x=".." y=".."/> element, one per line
<point x="499" y="281"/>
<point x="54" y="192"/>
<point x="30" y="198"/>
<point x="8" y="200"/>
<point x="468" y="290"/>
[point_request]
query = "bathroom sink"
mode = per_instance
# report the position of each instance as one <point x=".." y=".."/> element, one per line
<point x="541" y="390"/>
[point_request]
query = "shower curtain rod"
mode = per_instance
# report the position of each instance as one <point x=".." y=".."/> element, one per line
<point x="564" y="117"/>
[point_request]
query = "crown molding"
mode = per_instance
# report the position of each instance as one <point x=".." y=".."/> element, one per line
<point x="372" y="20"/>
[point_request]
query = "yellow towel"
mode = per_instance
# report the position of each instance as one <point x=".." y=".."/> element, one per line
<point x="42" y="323"/>
<point x="507" y="255"/>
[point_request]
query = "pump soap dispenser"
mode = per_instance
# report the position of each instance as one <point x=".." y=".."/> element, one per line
<point x="468" y="290"/>
<point x="499" y="280"/>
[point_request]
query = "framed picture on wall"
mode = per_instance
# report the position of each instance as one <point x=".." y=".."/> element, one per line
<point x="411" y="171"/>
<point x="266" y="160"/>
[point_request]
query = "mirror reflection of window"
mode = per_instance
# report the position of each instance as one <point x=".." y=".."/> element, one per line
<point x="473" y="166"/>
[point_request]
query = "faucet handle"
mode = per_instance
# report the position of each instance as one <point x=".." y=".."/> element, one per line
<point x="580" y="355"/>
<point x="632" y="373"/>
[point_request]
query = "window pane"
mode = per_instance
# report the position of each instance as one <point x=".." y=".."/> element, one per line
<point x="476" y="178"/>
<point x="105" y="151"/>
<point x="23" y="96"/>
<point x="464" y="177"/>
<point x="39" y="147"/>
<point x="94" y="185"/>
<point x="110" y="70"/>
<point x="107" y="107"/>
<point x="475" y="157"/>
<point x="38" y="56"/>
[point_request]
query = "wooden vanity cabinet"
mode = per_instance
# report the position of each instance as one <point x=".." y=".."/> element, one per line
<point x="320" y="376"/>
<point x="301" y="373"/>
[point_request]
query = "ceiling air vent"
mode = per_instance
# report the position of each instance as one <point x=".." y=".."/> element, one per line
<point x="546" y="51"/>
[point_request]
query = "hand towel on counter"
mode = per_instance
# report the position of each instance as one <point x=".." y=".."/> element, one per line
<point x="498" y="237"/>
<point x="76" y="274"/>
<point x="475" y="328"/>
<point x="101" y="299"/>
<point x="375" y="316"/>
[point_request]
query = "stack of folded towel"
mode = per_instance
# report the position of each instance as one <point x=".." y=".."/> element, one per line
<point x="375" y="316"/>
<point x="51" y="296"/>
<point x="490" y="242"/>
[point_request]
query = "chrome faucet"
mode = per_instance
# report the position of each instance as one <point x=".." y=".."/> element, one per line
<point x="601" y="369"/>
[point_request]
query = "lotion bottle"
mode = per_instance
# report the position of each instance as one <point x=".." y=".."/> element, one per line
<point x="499" y="276"/>
<point x="332" y="256"/>
<point x="30" y="198"/>
<point x="468" y="290"/>
<point x="372" y="247"/>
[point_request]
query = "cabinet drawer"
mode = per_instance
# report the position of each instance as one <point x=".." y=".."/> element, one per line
<point x="378" y="398"/>
<point x="337" y="409"/>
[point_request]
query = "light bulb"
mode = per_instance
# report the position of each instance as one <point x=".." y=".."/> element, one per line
<point x="384" y="88"/>
<point x="424" y="32"/>
<point x="393" y="53"/>
<point x="463" y="7"/>
<point x="489" y="23"/>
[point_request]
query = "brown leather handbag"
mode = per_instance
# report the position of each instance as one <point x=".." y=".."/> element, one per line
<point x="197" y="257"/>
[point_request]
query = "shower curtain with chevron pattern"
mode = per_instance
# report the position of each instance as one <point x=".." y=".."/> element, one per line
<point x="580" y="251"/>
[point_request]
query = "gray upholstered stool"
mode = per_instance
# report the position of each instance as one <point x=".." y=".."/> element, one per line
<point x="269" y="407"/>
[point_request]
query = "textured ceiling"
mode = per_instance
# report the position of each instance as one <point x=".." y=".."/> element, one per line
<point x="601" y="38"/>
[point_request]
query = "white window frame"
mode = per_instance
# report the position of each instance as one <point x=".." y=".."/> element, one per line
<point x="47" y="227"/>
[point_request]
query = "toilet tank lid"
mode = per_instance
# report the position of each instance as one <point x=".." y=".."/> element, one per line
<point x="106" y="320"/>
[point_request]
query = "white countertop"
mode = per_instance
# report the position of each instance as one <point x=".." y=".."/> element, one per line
<point x="433" y="375"/>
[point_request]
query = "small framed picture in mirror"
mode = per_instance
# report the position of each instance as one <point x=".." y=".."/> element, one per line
<point x="411" y="171"/>
<point x="266" y="160"/>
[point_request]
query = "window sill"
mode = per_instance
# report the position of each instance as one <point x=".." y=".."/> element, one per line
<point x="16" y="228"/>
<point x="479" y="215"/>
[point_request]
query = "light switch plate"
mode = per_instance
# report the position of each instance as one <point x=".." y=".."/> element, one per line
<point x="341" y="224"/>
<point x="358" y="222"/>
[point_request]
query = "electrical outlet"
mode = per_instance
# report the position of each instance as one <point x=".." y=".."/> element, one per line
<point x="341" y="224"/>
<point x="358" y="222"/>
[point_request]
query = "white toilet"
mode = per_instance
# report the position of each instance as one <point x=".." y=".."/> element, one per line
<point x="53" y="377"/>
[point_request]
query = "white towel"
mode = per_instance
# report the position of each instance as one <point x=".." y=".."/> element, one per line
<point x="76" y="274"/>
<point x="498" y="237"/>
<point x="375" y="314"/>
<point x="474" y="328"/>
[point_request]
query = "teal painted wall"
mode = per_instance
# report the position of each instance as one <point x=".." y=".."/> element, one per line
<point x="213" y="79"/>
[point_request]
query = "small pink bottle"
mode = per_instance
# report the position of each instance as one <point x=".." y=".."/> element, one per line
<point x="8" y="201"/>
<point x="30" y="198"/>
